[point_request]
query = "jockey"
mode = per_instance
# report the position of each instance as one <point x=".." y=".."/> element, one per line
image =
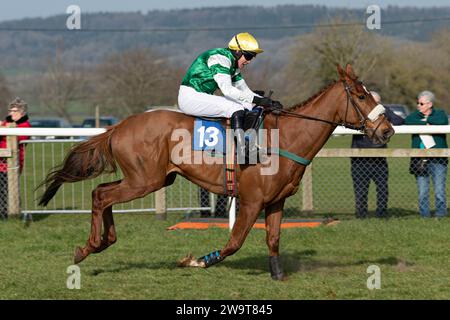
<point x="221" y="68"/>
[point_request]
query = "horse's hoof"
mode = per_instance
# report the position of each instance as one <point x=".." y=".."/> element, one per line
<point x="190" y="261"/>
<point x="78" y="255"/>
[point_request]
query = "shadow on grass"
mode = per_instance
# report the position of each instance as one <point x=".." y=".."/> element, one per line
<point x="39" y="217"/>
<point x="300" y="261"/>
<point x="393" y="212"/>
<point x="399" y="212"/>
<point x="127" y="266"/>
<point x="36" y="217"/>
<point x="303" y="261"/>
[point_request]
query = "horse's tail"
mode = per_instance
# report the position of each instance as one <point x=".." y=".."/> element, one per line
<point x="86" y="160"/>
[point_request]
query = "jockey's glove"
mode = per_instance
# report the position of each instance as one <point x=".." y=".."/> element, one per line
<point x="277" y="105"/>
<point x="259" y="92"/>
<point x="262" y="101"/>
<point x="267" y="103"/>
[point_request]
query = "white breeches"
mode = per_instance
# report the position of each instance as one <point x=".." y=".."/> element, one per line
<point x="207" y="105"/>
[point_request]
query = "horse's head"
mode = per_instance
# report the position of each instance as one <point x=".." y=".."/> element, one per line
<point x="361" y="111"/>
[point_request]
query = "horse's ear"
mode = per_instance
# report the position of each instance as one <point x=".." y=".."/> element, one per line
<point x="350" y="72"/>
<point x="341" y="72"/>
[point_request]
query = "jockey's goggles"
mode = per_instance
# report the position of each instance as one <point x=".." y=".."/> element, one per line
<point x="248" y="55"/>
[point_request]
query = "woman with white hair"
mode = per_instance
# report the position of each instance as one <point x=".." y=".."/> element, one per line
<point x="424" y="168"/>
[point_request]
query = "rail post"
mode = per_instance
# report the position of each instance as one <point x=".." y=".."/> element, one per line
<point x="13" y="175"/>
<point x="307" y="190"/>
<point x="160" y="204"/>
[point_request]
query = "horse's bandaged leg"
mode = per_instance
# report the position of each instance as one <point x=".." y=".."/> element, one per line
<point x="275" y="268"/>
<point x="212" y="258"/>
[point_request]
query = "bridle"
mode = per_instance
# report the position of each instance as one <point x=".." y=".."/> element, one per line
<point x="350" y="101"/>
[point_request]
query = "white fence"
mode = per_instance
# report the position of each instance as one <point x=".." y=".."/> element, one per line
<point x="184" y="196"/>
<point x="43" y="155"/>
<point x="77" y="132"/>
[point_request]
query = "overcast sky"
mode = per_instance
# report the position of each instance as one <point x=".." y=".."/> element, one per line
<point x="17" y="9"/>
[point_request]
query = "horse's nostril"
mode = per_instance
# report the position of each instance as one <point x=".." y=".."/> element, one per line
<point x="387" y="133"/>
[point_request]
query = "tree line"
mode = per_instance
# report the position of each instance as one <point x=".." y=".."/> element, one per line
<point x="397" y="69"/>
<point x="134" y="80"/>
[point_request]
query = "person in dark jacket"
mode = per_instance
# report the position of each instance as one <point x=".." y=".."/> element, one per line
<point x="436" y="168"/>
<point x="221" y="204"/>
<point x="365" y="169"/>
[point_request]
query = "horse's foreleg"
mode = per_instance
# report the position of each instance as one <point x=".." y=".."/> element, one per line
<point x="274" y="214"/>
<point x="248" y="213"/>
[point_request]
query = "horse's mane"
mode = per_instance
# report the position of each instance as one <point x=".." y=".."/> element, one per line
<point x="301" y="104"/>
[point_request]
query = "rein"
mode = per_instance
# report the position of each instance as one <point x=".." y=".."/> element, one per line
<point x="362" y="124"/>
<point x="344" y="123"/>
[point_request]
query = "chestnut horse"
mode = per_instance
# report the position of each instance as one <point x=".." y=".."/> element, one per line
<point x="141" y="145"/>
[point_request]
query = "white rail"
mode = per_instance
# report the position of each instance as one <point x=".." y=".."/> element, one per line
<point x="57" y="132"/>
<point x="403" y="130"/>
<point x="72" y="132"/>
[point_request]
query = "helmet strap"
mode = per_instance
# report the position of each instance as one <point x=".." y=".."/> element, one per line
<point x="237" y="54"/>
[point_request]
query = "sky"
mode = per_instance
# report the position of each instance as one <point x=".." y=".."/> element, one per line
<point x="18" y="9"/>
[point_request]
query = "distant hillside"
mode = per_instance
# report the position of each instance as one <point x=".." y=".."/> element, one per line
<point x="28" y="50"/>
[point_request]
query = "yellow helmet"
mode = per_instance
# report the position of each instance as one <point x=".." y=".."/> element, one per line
<point x="244" y="42"/>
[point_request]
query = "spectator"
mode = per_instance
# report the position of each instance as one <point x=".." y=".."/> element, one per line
<point x="366" y="169"/>
<point x="221" y="204"/>
<point x="18" y="115"/>
<point x="436" y="168"/>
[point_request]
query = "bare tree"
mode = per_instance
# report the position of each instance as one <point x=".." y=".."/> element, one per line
<point x="60" y="86"/>
<point x="314" y="58"/>
<point x="133" y="81"/>
<point x="5" y="94"/>
<point x="438" y="58"/>
<point x="398" y="69"/>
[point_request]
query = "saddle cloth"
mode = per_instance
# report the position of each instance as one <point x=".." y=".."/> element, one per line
<point x="210" y="133"/>
<point x="210" y="136"/>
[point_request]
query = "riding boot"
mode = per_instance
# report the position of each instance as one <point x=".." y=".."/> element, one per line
<point x="237" y="124"/>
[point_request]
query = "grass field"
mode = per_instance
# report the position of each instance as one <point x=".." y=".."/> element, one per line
<point x="328" y="262"/>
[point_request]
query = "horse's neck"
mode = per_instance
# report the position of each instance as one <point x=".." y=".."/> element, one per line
<point x="306" y="137"/>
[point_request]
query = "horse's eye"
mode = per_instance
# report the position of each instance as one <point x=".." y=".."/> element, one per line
<point x="362" y="97"/>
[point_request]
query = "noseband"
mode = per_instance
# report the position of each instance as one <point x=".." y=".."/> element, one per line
<point x="372" y="117"/>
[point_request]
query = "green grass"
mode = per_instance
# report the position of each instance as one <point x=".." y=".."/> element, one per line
<point x="328" y="262"/>
<point x="321" y="263"/>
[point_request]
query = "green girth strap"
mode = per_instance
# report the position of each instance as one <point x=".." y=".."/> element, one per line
<point x="287" y="154"/>
<point x="291" y="156"/>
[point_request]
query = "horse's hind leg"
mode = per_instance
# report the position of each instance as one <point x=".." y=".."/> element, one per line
<point x="103" y="197"/>
<point x="109" y="236"/>
<point x="109" y="231"/>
